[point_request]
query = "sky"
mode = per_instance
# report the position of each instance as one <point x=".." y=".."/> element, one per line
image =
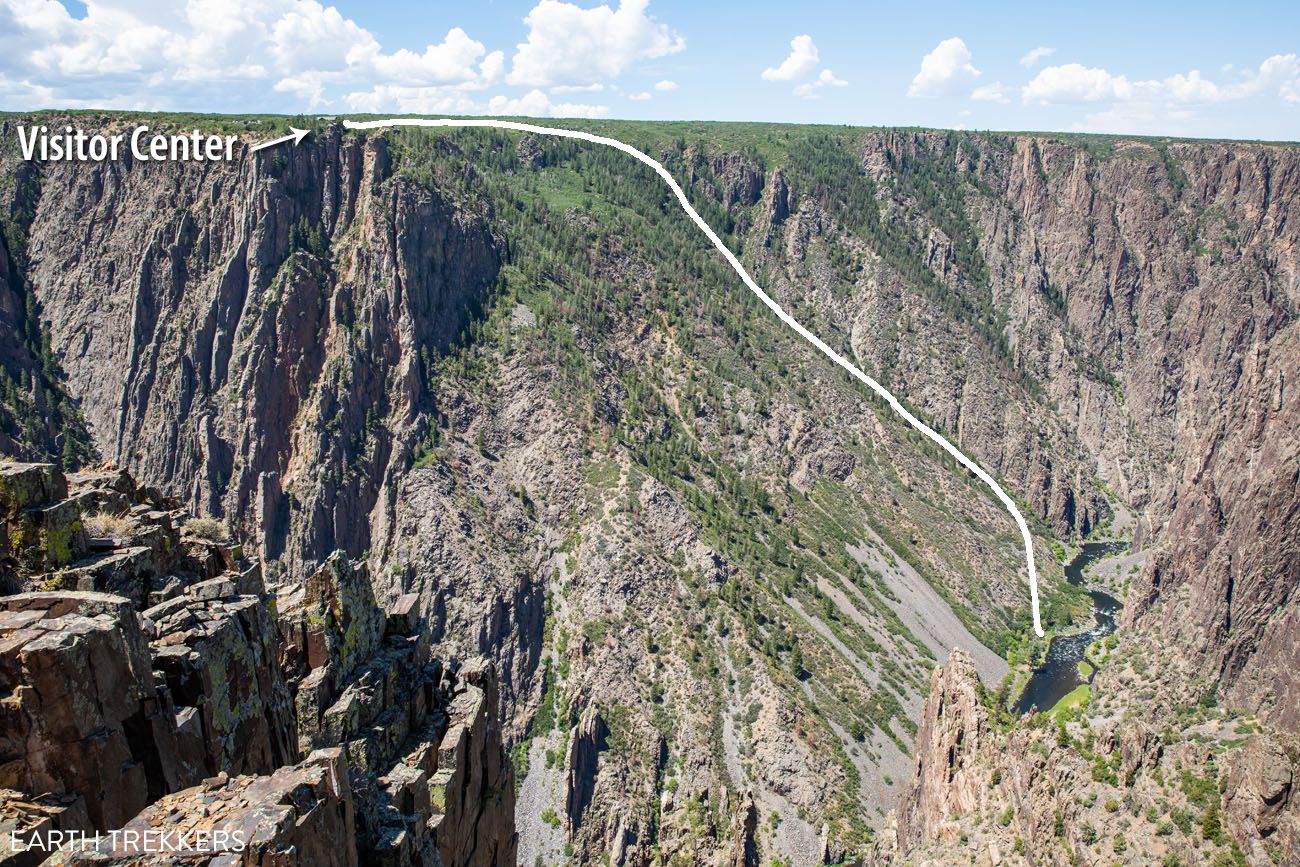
<point x="1182" y="69"/>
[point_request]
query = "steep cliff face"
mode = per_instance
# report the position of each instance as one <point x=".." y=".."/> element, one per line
<point x="1127" y="782"/>
<point x="38" y="418"/>
<point x="712" y="575"/>
<point x="221" y="350"/>
<point x="1147" y="294"/>
<point x="1178" y="268"/>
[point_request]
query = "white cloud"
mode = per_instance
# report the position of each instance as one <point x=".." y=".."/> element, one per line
<point x="810" y="89"/>
<point x="994" y="92"/>
<point x="578" y="88"/>
<point x="1036" y="54"/>
<point x="492" y="67"/>
<point x="944" y="71"/>
<point x="537" y="104"/>
<point x="1073" y="83"/>
<point x="640" y="97"/>
<point x="1138" y="119"/>
<point x="413" y="100"/>
<point x="571" y="45"/>
<point x="215" y="54"/>
<point x="448" y="100"/>
<point x="310" y="36"/>
<point x="453" y="59"/>
<point x="665" y="85"/>
<point x="802" y="60"/>
<point x="1172" y="105"/>
<point x="1282" y="70"/>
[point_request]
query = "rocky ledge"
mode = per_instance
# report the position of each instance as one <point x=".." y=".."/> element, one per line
<point x="149" y="681"/>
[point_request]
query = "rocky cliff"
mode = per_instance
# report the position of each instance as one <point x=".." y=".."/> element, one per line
<point x="222" y="352"/>
<point x="1128" y="783"/>
<point x="713" y="576"/>
<point x="157" y="685"/>
<point x="1145" y="297"/>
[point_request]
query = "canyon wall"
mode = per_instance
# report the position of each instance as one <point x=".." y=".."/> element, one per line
<point x="705" y="570"/>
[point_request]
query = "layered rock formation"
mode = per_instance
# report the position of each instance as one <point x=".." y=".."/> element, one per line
<point x="218" y="337"/>
<point x="537" y="408"/>
<point x="111" y="714"/>
<point x="1123" y="784"/>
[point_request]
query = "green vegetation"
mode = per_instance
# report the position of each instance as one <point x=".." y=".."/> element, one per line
<point x="208" y="529"/>
<point x="36" y="408"/>
<point x="597" y="247"/>
<point x="1074" y="700"/>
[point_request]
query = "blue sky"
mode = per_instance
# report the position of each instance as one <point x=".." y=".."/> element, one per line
<point x="1177" y="69"/>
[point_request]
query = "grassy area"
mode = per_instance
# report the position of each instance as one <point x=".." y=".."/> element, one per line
<point x="1086" y="669"/>
<point x="1075" y="699"/>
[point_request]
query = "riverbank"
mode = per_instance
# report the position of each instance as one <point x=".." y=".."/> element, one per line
<point x="1061" y="674"/>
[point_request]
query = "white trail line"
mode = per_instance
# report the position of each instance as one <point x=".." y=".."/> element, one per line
<point x="762" y="296"/>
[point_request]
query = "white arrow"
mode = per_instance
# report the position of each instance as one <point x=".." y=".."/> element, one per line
<point x="294" y="133"/>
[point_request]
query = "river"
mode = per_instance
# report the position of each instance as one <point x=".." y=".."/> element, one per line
<point x="1059" y="673"/>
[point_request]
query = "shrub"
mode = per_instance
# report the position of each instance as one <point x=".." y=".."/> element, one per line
<point x="1212" y="824"/>
<point x="108" y="525"/>
<point x="209" y="529"/>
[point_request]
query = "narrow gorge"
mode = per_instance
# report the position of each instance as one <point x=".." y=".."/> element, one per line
<point x="441" y="497"/>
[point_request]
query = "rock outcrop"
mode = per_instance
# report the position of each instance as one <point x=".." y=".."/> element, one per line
<point x="1149" y="787"/>
<point x="299" y="816"/>
<point x="948" y="779"/>
<point x="217" y="649"/>
<point x="425" y="734"/>
<point x="294" y="342"/>
<point x="82" y="715"/>
<point x="582" y="764"/>
<point x="189" y="716"/>
<point x="1260" y="800"/>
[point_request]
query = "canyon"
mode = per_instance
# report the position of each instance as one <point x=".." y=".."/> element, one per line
<point x="521" y="489"/>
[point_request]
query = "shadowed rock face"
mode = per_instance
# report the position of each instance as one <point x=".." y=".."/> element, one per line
<point x="254" y="338"/>
<point x="220" y="351"/>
